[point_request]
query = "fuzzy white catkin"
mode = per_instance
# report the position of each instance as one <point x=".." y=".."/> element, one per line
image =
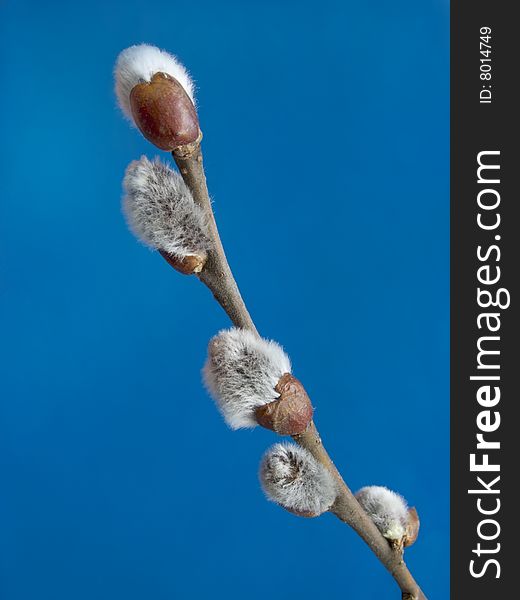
<point x="138" y="64"/>
<point x="291" y="477"/>
<point x="387" y="509"/>
<point x="160" y="210"/>
<point x="241" y="373"/>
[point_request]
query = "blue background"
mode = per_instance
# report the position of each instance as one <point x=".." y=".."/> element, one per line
<point x="326" y="146"/>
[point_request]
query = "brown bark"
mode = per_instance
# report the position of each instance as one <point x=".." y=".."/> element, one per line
<point x="216" y="275"/>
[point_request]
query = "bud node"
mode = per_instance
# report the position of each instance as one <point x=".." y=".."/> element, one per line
<point x="291" y="413"/>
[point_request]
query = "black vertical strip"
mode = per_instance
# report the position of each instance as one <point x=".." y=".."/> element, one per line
<point x="484" y="119"/>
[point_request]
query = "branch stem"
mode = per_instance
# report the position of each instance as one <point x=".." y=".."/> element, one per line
<point x="217" y="276"/>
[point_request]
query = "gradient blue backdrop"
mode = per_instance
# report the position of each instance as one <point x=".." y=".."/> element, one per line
<point x="326" y="144"/>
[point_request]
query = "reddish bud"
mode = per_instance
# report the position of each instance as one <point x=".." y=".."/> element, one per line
<point x="164" y="112"/>
<point x="187" y="265"/>
<point x="412" y="528"/>
<point x="291" y="413"/>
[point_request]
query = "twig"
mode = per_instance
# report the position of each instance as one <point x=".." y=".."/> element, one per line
<point x="217" y="276"/>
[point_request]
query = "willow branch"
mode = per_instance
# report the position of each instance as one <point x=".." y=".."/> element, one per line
<point x="217" y="276"/>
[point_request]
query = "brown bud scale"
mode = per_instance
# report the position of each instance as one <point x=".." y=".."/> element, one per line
<point x="412" y="529"/>
<point x="164" y="112"/>
<point x="291" y="413"/>
<point x="188" y="265"/>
